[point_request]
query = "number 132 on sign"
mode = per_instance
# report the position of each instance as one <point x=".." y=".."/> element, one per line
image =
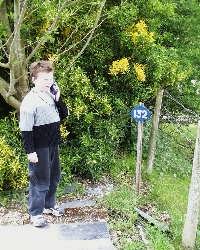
<point x="140" y="113"/>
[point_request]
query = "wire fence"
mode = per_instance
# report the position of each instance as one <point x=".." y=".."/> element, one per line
<point x="176" y="137"/>
<point x="183" y="120"/>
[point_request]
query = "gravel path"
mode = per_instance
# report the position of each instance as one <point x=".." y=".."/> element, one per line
<point x="18" y="215"/>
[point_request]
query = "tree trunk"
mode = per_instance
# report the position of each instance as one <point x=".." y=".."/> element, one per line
<point x="191" y="221"/>
<point x="154" y="131"/>
<point x="14" y="91"/>
<point x="17" y="59"/>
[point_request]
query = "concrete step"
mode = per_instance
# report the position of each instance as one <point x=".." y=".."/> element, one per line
<point x="72" y="236"/>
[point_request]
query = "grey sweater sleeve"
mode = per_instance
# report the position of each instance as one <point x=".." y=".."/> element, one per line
<point x="26" y="124"/>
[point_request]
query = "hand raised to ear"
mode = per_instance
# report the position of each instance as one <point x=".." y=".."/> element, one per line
<point x="54" y="91"/>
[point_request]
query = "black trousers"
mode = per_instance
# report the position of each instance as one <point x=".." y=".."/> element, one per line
<point x="44" y="178"/>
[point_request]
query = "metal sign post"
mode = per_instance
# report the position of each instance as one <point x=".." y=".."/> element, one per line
<point x="140" y="114"/>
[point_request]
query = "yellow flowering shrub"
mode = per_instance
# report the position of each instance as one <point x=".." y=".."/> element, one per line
<point x="139" y="70"/>
<point x="182" y="75"/>
<point x="63" y="131"/>
<point x="140" y="31"/>
<point x="45" y="26"/>
<point x="79" y="108"/>
<point x="104" y="103"/>
<point x="12" y="174"/>
<point x="66" y="31"/>
<point x="119" y="66"/>
<point x="53" y="57"/>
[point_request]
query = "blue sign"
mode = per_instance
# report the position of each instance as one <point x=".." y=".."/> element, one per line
<point x="140" y="113"/>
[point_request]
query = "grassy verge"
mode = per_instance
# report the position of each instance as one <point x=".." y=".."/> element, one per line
<point x="166" y="190"/>
<point x="168" y="194"/>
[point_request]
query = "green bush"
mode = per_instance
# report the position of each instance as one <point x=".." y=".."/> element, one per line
<point x="13" y="173"/>
<point x="96" y="124"/>
<point x="91" y="154"/>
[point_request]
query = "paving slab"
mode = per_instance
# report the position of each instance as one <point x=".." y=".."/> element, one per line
<point x="72" y="236"/>
<point x="77" y="204"/>
<point x="83" y="231"/>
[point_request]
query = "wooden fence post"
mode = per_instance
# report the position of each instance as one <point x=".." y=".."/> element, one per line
<point x="192" y="216"/>
<point x="154" y="131"/>
<point x="139" y="157"/>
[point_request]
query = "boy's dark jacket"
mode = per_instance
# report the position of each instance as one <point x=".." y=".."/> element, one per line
<point x="62" y="109"/>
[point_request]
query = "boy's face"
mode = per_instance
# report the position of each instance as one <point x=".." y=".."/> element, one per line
<point x="44" y="80"/>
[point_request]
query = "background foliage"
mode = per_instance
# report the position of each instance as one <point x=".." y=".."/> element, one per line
<point x="158" y="41"/>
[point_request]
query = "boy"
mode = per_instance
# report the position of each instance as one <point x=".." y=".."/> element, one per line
<point x="40" y="129"/>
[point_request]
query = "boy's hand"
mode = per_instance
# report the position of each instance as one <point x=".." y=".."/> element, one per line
<point x="54" y="91"/>
<point x="32" y="157"/>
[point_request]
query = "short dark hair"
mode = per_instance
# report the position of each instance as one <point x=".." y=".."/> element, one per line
<point x="40" y="66"/>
